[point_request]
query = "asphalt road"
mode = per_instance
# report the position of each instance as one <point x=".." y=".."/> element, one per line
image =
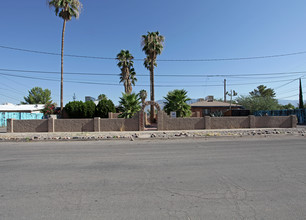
<point x="185" y="179"/>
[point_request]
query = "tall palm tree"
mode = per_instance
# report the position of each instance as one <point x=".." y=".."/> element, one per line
<point x="152" y="46"/>
<point x="65" y="9"/>
<point x="125" y="63"/>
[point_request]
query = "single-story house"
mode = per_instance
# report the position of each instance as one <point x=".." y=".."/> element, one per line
<point x="210" y="106"/>
<point x="17" y="112"/>
<point x="9" y="107"/>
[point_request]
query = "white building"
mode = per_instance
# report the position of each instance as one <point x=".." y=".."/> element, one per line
<point x="9" y="107"/>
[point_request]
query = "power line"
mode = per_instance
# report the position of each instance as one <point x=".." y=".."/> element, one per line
<point x="286" y="84"/>
<point x="291" y="96"/>
<point x="245" y="75"/>
<point x="112" y="84"/>
<point x="9" y="97"/>
<point x="165" y="60"/>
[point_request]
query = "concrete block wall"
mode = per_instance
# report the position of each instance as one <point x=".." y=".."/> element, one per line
<point x="164" y="122"/>
<point x="229" y="122"/>
<point x="74" y="125"/>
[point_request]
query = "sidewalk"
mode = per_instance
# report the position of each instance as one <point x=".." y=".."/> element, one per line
<point x="133" y="135"/>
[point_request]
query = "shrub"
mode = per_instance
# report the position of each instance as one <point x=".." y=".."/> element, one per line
<point x="89" y="109"/>
<point x="104" y="107"/>
<point x="49" y="108"/>
<point x="75" y="109"/>
<point x="129" y="105"/>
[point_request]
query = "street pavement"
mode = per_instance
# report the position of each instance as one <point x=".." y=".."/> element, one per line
<point x="224" y="178"/>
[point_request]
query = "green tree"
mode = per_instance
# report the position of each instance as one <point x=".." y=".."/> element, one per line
<point x="143" y="95"/>
<point x="288" y="106"/>
<point x="102" y="96"/>
<point x="65" y="9"/>
<point x="104" y="107"/>
<point x="301" y="103"/>
<point x="176" y="100"/>
<point x="129" y="105"/>
<point x="263" y="91"/>
<point x="255" y="103"/>
<point x="38" y="96"/>
<point x="152" y="46"/>
<point x="261" y="98"/>
<point x="127" y="75"/>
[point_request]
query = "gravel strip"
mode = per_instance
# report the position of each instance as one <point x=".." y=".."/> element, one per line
<point x="136" y="135"/>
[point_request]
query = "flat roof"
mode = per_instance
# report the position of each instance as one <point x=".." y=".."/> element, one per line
<point x="21" y="108"/>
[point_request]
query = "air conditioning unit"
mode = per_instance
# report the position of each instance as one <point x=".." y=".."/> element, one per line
<point x="210" y="98"/>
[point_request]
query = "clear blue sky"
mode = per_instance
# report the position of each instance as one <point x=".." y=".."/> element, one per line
<point x="196" y="29"/>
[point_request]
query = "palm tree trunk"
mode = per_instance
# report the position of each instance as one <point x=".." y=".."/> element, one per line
<point x="152" y="113"/>
<point x="62" y="66"/>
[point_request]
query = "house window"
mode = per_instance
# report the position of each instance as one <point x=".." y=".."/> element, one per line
<point x="206" y="111"/>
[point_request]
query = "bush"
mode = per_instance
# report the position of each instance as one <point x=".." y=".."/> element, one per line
<point x="75" y="109"/>
<point x="89" y="109"/>
<point x="49" y="108"/>
<point x="129" y="105"/>
<point x="104" y="107"/>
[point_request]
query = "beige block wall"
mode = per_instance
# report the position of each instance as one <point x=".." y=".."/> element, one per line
<point x="30" y="125"/>
<point x="74" y="125"/>
<point x="229" y="122"/>
<point x="119" y="124"/>
<point x="164" y="123"/>
<point x="180" y="123"/>
<point x="274" y="122"/>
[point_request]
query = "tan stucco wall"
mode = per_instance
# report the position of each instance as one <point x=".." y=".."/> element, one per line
<point x="229" y="122"/>
<point x="73" y="125"/>
<point x="274" y="122"/>
<point x="119" y="124"/>
<point x="164" y="123"/>
<point x="30" y="125"/>
<point x="179" y="123"/>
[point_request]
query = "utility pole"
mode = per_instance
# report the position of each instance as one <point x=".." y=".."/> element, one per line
<point x="224" y="90"/>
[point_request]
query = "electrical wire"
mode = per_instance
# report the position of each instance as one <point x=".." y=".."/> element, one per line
<point x="245" y="75"/>
<point x="163" y="60"/>
<point x="112" y="84"/>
